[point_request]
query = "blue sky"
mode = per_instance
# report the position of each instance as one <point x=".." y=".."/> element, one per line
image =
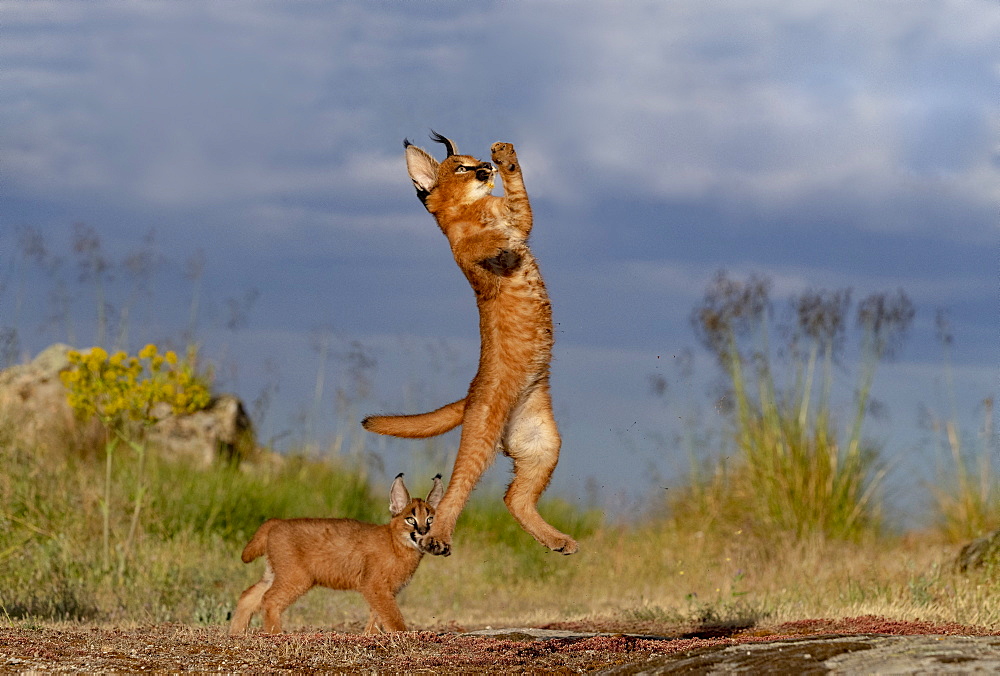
<point x="822" y="144"/>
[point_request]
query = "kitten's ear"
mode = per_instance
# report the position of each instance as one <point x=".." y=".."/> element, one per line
<point x="399" y="497"/>
<point x="437" y="492"/>
<point x="423" y="168"/>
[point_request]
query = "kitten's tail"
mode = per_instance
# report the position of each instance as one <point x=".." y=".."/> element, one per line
<point x="419" y="426"/>
<point x="258" y="543"/>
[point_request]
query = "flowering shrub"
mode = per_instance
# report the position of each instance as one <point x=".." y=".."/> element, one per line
<point x="120" y="389"/>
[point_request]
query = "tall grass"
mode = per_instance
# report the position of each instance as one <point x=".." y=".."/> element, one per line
<point x="656" y="572"/>
<point x="788" y="527"/>
<point x="966" y="499"/>
<point x="194" y="524"/>
<point x="796" y="472"/>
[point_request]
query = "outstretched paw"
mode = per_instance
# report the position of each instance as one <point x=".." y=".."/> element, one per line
<point x="432" y="545"/>
<point x="505" y="157"/>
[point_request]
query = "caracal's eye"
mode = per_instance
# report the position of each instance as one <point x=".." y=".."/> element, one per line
<point x="410" y="520"/>
<point x="461" y="170"/>
<point x="430" y="520"/>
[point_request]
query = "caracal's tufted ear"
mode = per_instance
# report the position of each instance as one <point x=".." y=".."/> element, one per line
<point x="437" y="492"/>
<point x="399" y="497"/>
<point x="422" y="167"/>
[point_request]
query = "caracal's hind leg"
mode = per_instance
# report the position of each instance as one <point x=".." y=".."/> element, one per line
<point x="249" y="603"/>
<point x="532" y="441"/>
<point x="283" y="593"/>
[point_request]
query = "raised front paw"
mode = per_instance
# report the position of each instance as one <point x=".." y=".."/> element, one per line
<point x="504" y="157"/>
<point x="432" y="545"/>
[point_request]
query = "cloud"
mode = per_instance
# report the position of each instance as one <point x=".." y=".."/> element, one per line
<point x="181" y="103"/>
<point x="776" y="102"/>
<point x="765" y="102"/>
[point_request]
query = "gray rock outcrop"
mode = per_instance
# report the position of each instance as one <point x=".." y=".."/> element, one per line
<point x="35" y="416"/>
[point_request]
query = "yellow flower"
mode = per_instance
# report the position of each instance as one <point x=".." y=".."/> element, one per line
<point x="122" y="389"/>
<point x="96" y="359"/>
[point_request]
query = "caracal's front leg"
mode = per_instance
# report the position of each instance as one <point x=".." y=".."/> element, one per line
<point x="486" y="409"/>
<point x="385" y="612"/>
<point x="515" y="196"/>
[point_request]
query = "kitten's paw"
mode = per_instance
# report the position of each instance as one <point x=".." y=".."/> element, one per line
<point x="505" y="157"/>
<point x="432" y="545"/>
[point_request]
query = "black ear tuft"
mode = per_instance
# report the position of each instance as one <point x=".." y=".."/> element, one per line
<point x="406" y="143"/>
<point x="448" y="144"/>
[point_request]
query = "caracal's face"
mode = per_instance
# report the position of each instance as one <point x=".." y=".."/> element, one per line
<point x="417" y="520"/>
<point x="465" y="178"/>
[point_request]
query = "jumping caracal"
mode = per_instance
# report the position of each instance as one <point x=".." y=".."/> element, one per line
<point x="377" y="561"/>
<point x="508" y="406"/>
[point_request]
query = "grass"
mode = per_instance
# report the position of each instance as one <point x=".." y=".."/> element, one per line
<point x="190" y="535"/>
<point x="185" y="566"/>
<point x="788" y="528"/>
<point x="967" y="501"/>
<point x="796" y="472"/>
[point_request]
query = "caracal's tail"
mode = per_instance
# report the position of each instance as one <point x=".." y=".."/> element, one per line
<point x="258" y="543"/>
<point x="418" y="426"/>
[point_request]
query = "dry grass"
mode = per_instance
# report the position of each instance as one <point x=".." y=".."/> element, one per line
<point x="688" y="572"/>
<point x="660" y="576"/>
<point x="697" y="591"/>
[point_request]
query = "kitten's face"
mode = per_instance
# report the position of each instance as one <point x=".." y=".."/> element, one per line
<point x="417" y="519"/>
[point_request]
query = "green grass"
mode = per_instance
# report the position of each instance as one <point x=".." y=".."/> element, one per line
<point x="195" y="523"/>
<point x="185" y="564"/>
<point x="231" y="502"/>
<point x="487" y="525"/>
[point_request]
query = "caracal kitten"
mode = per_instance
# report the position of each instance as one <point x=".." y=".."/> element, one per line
<point x="376" y="560"/>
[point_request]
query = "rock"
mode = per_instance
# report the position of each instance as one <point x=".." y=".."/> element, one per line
<point x="222" y="431"/>
<point x="980" y="552"/>
<point x="34" y="414"/>
<point x="36" y="417"/>
<point x="845" y="654"/>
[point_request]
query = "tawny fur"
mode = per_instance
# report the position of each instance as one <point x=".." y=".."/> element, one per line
<point x="376" y="560"/>
<point x="508" y="405"/>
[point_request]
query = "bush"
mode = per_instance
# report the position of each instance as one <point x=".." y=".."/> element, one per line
<point x="795" y="473"/>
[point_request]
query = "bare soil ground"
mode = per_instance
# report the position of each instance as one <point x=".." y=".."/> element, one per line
<point x="564" y="648"/>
